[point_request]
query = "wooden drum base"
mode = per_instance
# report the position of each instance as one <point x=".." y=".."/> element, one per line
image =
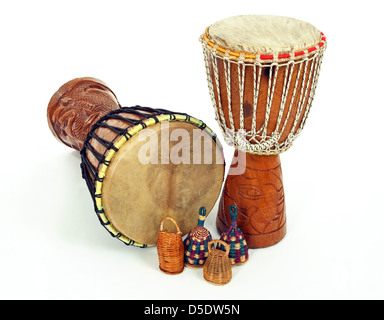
<point x="259" y="196"/>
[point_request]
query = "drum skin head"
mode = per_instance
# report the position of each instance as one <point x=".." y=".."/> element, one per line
<point x="138" y="195"/>
<point x="263" y="34"/>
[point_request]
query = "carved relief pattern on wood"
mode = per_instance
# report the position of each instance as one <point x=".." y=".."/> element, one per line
<point x="76" y="107"/>
<point x="259" y="197"/>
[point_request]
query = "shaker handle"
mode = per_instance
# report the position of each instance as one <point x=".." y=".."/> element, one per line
<point x="226" y="245"/>
<point x="233" y="212"/>
<point x="174" y="222"/>
<point x="202" y="216"/>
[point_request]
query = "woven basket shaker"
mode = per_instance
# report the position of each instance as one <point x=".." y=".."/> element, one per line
<point x="170" y="249"/>
<point x="217" y="267"/>
<point x="234" y="237"/>
<point x="196" y="243"/>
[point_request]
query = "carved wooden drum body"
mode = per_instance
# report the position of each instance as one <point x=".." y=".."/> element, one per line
<point x="262" y="73"/>
<point x="140" y="164"/>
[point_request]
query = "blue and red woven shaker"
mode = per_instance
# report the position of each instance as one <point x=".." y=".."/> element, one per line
<point x="234" y="237"/>
<point x="196" y="243"/>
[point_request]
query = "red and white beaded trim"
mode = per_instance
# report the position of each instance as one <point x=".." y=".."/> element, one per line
<point x="299" y="71"/>
<point x="284" y="56"/>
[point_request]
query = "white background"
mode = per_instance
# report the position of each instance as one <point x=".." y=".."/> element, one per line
<point x="51" y="243"/>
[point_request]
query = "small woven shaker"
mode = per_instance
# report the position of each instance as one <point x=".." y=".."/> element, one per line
<point x="218" y="269"/>
<point x="234" y="237"/>
<point x="196" y="243"/>
<point x="170" y="249"/>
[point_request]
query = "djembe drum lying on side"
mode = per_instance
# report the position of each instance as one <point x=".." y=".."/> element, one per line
<point x="262" y="73"/>
<point x="140" y="164"/>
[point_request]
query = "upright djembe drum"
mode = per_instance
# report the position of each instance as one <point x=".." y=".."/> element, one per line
<point x="262" y="74"/>
<point x="140" y="164"/>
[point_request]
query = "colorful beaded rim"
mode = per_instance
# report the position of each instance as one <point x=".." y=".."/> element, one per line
<point x="243" y="55"/>
<point x="127" y="134"/>
<point x="257" y="140"/>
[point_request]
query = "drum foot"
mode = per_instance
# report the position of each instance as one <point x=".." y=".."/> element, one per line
<point x="258" y="194"/>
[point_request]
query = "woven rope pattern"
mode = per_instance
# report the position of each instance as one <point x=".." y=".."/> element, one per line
<point x="196" y="243"/>
<point x="94" y="176"/>
<point x="170" y="249"/>
<point x="196" y="247"/>
<point x="234" y="237"/>
<point x="238" y="253"/>
<point x="255" y="140"/>
<point x="217" y="268"/>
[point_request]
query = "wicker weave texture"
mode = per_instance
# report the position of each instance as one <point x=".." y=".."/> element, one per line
<point x="217" y="267"/>
<point x="196" y="243"/>
<point x="234" y="237"/>
<point x="170" y="249"/>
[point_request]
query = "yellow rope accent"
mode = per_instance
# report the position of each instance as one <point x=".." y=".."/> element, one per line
<point x="104" y="167"/>
<point x="243" y="54"/>
<point x="231" y="53"/>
